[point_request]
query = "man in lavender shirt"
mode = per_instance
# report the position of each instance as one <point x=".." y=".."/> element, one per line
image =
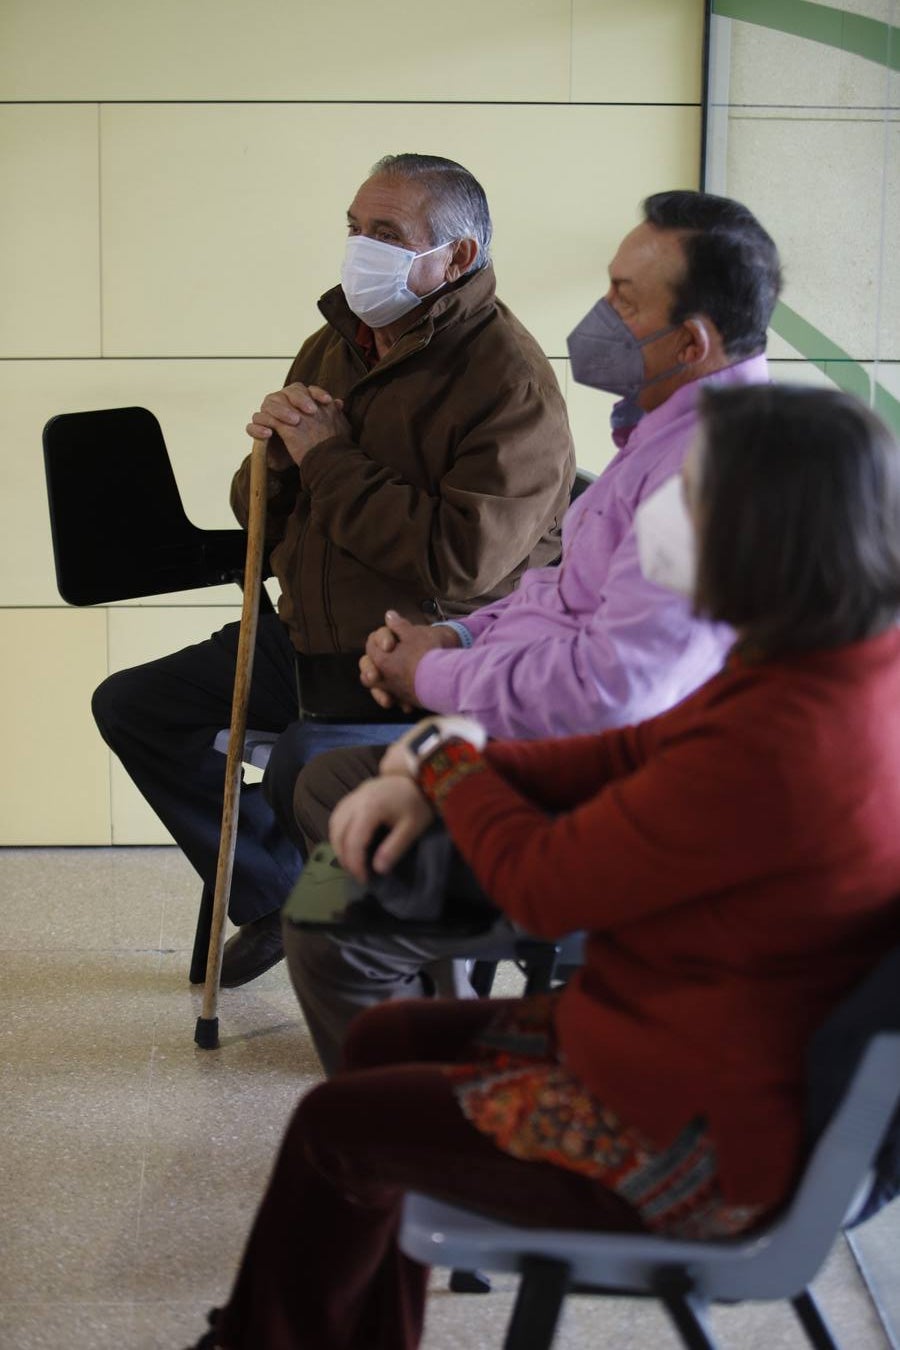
<point x="590" y="643"/>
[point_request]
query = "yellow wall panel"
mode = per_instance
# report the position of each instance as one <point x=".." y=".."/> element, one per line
<point x="135" y="636"/>
<point x="202" y="407"/>
<point x="286" y="49"/>
<point x="646" y="51"/>
<point x="55" y="787"/>
<point x="589" y="411"/>
<point x="189" y="166"/>
<point x="554" y="245"/>
<point x="197" y="262"/>
<point x="49" y="232"/>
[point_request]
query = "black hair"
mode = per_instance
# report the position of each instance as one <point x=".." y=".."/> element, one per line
<point x="798" y="509"/>
<point x="733" y="271"/>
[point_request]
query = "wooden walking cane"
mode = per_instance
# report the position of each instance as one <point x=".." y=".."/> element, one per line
<point x="207" y="1031"/>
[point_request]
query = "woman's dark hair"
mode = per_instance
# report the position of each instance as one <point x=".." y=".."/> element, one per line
<point x="798" y="504"/>
<point x="733" y="272"/>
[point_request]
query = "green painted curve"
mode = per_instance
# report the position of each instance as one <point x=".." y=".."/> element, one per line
<point x="833" y="361"/>
<point x="871" y="38"/>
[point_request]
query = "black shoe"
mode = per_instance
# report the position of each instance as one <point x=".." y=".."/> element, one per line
<point x="253" y="949"/>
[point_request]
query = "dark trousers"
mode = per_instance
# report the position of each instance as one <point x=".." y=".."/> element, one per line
<point x="161" y="719"/>
<point x="322" y="1269"/>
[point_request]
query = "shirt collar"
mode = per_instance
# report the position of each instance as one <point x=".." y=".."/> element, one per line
<point x="365" y="341"/>
<point x="754" y="370"/>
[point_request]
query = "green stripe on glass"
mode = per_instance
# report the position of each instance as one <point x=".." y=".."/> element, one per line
<point x="871" y="38"/>
<point x="888" y="407"/>
<point x="833" y="361"/>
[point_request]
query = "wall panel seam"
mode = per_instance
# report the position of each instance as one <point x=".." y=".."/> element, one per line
<point x="100" y="225"/>
<point x="346" y="102"/>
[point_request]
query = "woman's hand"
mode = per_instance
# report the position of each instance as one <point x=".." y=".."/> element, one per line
<point x="392" y="802"/>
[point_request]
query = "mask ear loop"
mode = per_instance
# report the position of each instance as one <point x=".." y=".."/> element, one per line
<point x="437" y="247"/>
<point x="660" y="333"/>
<point x="672" y="370"/>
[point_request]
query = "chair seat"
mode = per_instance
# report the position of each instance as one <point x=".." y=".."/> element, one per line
<point x="442" y="1234"/>
<point x="777" y="1262"/>
<point x="257" y="746"/>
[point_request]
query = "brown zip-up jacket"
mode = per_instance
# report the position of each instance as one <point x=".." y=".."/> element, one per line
<point x="453" y="480"/>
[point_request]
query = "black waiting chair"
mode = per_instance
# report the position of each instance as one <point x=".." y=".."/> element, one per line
<point x="853" y="1167"/>
<point x="541" y="963"/>
<point x="119" y="528"/>
<point x="120" y="532"/>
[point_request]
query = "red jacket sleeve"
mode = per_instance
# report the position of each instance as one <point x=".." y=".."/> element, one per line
<point x="559" y="773"/>
<point x="698" y="813"/>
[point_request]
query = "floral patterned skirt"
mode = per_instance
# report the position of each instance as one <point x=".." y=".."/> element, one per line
<point x="514" y="1089"/>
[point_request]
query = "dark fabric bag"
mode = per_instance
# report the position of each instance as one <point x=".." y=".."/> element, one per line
<point x="431" y="881"/>
<point x="328" y="690"/>
<point x="431" y="892"/>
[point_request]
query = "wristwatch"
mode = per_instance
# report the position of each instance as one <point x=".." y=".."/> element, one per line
<point x="436" y="731"/>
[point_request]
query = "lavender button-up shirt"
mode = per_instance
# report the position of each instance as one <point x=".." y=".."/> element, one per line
<point x="591" y="643"/>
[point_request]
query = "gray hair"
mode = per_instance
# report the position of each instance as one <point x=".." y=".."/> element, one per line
<point x="457" y="206"/>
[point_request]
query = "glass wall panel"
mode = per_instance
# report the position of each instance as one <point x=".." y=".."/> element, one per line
<point x="803" y="124"/>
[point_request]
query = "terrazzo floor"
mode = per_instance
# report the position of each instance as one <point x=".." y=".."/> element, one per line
<point x="132" y="1162"/>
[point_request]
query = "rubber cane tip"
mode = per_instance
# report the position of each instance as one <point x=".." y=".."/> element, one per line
<point x="207" y="1033"/>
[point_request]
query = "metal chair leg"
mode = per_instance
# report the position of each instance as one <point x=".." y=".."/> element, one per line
<point x="812" y="1319"/>
<point x="675" y="1289"/>
<point x="689" y="1316"/>
<point x="542" y="1291"/>
<point x="482" y="977"/>
<point x="201" y="937"/>
<point x="539" y="964"/>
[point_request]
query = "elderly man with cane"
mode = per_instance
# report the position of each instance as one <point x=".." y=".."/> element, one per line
<point x="419" y="456"/>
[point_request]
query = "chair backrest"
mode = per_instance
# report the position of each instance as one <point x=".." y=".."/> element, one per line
<point x="118" y="524"/>
<point x="837" y="1173"/>
<point x="835" y="1051"/>
<point x="581" y="482"/>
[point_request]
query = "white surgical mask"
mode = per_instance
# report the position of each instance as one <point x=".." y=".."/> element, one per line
<point x="665" y="538"/>
<point x="374" y="277"/>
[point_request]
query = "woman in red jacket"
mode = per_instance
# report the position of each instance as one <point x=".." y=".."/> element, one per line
<point x="735" y="862"/>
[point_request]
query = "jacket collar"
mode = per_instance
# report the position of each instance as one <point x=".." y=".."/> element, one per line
<point x="460" y="302"/>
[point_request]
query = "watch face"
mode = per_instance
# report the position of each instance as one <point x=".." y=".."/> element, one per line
<point x="425" y="739"/>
